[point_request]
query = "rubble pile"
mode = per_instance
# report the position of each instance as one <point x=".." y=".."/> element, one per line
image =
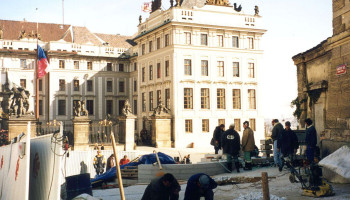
<point x="258" y="196"/>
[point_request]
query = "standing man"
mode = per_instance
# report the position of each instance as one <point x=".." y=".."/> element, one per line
<point x="287" y="144"/>
<point x="248" y="144"/>
<point x="110" y="162"/>
<point x="231" y="146"/>
<point x="310" y="139"/>
<point x="276" y="133"/>
<point x="99" y="163"/>
<point x="219" y="130"/>
<point x="200" y="185"/>
<point x="162" y="188"/>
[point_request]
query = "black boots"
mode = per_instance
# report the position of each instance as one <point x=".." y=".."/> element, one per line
<point x="248" y="166"/>
<point x="237" y="166"/>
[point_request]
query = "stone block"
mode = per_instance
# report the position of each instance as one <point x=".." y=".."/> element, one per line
<point x="19" y="125"/>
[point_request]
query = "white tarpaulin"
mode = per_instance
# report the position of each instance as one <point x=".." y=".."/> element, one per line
<point x="14" y="170"/>
<point x="45" y="161"/>
<point x="338" y="162"/>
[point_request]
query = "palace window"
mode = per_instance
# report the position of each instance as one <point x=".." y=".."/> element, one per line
<point x="158" y="43"/>
<point x="40" y="107"/>
<point x="204" y="68"/>
<point x="109" y="86"/>
<point x="135" y="86"/>
<point x="40" y="85"/>
<point x="167" y="98"/>
<point x="159" y="96"/>
<point x="204" y="39"/>
<point x="251" y="43"/>
<point x="76" y="64"/>
<point x="205" y="125"/>
<point x="237" y="123"/>
<point x="109" y="67"/>
<point x="135" y="66"/>
<point x="205" y="101"/>
<point x="251" y="99"/>
<point x="89" y="65"/>
<point x="252" y="124"/>
<point x="166" y="40"/>
<point x="221" y="68"/>
<point x="251" y="73"/>
<point x="150" y="72"/>
<point x="221" y="40"/>
<point x="23" y="83"/>
<point x="61" y="64"/>
<point x="135" y="106"/>
<point x="62" y="85"/>
<point x="188" y="98"/>
<point x="23" y="63"/>
<point x="90" y="107"/>
<point x="235" y="41"/>
<point x="236" y="98"/>
<point x="143" y="48"/>
<point x="187" y="38"/>
<point x="143" y="74"/>
<point x="167" y="68"/>
<point x="143" y="102"/>
<point x="188" y="67"/>
<point x="121" y="67"/>
<point x="188" y="126"/>
<point x="159" y="72"/>
<point x="150" y="101"/>
<point x="150" y="46"/>
<point x="221" y="121"/>
<point x="121" y="86"/>
<point x="76" y="85"/>
<point x="61" y="107"/>
<point x="90" y="86"/>
<point x="221" y="98"/>
<point x="235" y="68"/>
<point x="109" y="107"/>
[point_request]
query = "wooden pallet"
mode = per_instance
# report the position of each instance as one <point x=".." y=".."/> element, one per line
<point x="130" y="172"/>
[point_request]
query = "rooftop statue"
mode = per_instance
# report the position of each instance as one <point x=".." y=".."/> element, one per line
<point x="256" y="9"/>
<point x="238" y="9"/>
<point x="218" y="2"/>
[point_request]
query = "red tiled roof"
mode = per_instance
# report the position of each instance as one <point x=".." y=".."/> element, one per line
<point x="115" y="40"/>
<point x="48" y="32"/>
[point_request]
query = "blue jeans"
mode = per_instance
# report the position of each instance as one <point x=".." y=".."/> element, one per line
<point x="276" y="154"/>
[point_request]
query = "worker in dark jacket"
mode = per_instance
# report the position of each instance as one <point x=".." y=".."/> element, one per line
<point x="231" y="146"/>
<point x="200" y="185"/>
<point x="162" y="188"/>
<point x="276" y="133"/>
<point x="216" y="141"/>
<point x="287" y="144"/>
<point x="310" y="139"/>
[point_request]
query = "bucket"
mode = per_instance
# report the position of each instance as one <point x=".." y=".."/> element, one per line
<point x="78" y="184"/>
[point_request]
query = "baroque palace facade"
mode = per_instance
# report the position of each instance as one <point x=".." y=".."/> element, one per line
<point x="202" y="61"/>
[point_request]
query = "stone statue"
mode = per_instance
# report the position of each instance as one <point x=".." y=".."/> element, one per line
<point x="160" y="108"/>
<point x="156" y="4"/>
<point x="77" y="108"/>
<point x="84" y="112"/>
<point x="19" y="104"/>
<point x="22" y="34"/>
<point x="218" y="2"/>
<point x="140" y="19"/>
<point x="171" y="3"/>
<point x="256" y="9"/>
<point x="238" y="9"/>
<point x="178" y="3"/>
<point x="127" y="108"/>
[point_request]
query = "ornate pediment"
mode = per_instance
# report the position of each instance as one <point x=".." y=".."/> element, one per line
<point x="218" y="2"/>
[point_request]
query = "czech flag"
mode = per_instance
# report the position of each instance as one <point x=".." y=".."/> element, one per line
<point x="43" y="65"/>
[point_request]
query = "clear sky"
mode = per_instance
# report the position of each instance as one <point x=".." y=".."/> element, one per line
<point x="292" y="27"/>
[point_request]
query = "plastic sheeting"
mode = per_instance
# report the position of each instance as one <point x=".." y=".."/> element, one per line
<point x="14" y="170"/>
<point x="338" y="162"/>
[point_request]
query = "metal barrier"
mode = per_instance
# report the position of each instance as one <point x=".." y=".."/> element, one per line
<point x="100" y="132"/>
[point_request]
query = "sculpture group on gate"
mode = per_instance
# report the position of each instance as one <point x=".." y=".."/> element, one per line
<point x="127" y="108"/>
<point x="19" y="101"/>
<point x="79" y="109"/>
<point x="160" y="108"/>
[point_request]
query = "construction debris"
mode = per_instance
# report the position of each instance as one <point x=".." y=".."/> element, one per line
<point x="258" y="196"/>
<point x="238" y="180"/>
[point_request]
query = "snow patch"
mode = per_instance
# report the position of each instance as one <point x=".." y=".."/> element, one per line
<point x="258" y="196"/>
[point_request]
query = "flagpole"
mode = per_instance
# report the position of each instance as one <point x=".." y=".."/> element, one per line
<point x="36" y="70"/>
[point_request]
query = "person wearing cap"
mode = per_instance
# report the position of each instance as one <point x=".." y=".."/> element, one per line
<point x="162" y="188"/>
<point x="216" y="141"/>
<point x="276" y="133"/>
<point x="99" y="163"/>
<point x="287" y="144"/>
<point x="231" y="146"/>
<point x="200" y="185"/>
<point x="248" y="145"/>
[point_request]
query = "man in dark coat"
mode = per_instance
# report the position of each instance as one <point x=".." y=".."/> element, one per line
<point x="219" y="130"/>
<point x="200" y="185"/>
<point x="162" y="188"/>
<point x="310" y="139"/>
<point x="287" y="144"/>
<point x="231" y="146"/>
<point x="276" y="132"/>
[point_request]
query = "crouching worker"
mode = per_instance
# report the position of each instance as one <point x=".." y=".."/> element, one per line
<point x="200" y="185"/>
<point x="162" y="188"/>
<point x="231" y="146"/>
